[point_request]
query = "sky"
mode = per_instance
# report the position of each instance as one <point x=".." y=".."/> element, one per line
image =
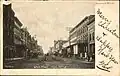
<point x="49" y="20"/>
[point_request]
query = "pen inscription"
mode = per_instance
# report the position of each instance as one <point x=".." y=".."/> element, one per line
<point x="105" y="49"/>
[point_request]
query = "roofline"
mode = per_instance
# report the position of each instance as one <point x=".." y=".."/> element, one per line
<point x="18" y="21"/>
<point x="79" y="24"/>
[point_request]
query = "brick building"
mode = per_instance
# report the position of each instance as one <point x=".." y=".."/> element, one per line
<point x="79" y="38"/>
<point x="91" y="38"/>
<point x="17" y="41"/>
<point x="8" y="22"/>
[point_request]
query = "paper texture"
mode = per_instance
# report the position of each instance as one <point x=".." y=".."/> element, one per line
<point x="95" y="51"/>
<point x="105" y="37"/>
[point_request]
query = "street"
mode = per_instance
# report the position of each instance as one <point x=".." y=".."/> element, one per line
<point x="26" y="37"/>
<point x="57" y="63"/>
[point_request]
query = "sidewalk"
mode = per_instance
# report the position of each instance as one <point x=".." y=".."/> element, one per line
<point x="77" y="60"/>
<point x="83" y="61"/>
<point x="7" y="59"/>
<point x="13" y="60"/>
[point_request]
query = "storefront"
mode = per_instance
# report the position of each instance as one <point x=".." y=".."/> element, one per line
<point x="92" y="51"/>
<point x="82" y="49"/>
<point x="9" y="51"/>
<point x="66" y="49"/>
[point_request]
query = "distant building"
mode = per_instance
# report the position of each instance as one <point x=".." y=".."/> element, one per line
<point x="51" y="50"/>
<point x="30" y="43"/>
<point x="40" y="50"/>
<point x="58" y="45"/>
<point x="27" y="42"/>
<point x="25" y="34"/>
<point x="33" y="43"/>
<point x="19" y="48"/>
<point x="66" y="49"/>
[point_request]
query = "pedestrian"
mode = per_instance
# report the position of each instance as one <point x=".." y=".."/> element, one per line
<point x="45" y="57"/>
<point x="88" y="58"/>
<point x="93" y="57"/>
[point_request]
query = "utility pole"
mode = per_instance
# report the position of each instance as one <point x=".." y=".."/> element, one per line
<point x="69" y="29"/>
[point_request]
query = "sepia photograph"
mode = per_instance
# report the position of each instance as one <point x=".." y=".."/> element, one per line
<point x="49" y="35"/>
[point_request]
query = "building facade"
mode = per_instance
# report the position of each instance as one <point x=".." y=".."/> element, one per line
<point x="79" y="38"/>
<point x="40" y="50"/>
<point x="24" y="40"/>
<point x="30" y="44"/>
<point x="8" y="26"/>
<point x="17" y="41"/>
<point x="91" y="38"/>
<point x="12" y="41"/>
<point x="58" y="44"/>
<point x="66" y="49"/>
<point x="51" y="50"/>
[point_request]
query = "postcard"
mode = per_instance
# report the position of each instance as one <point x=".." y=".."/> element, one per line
<point x="64" y="37"/>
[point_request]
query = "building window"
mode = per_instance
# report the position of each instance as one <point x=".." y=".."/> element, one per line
<point x="83" y="29"/>
<point x="83" y="37"/>
<point x="93" y="35"/>
<point x="80" y="31"/>
<point x="90" y="37"/>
